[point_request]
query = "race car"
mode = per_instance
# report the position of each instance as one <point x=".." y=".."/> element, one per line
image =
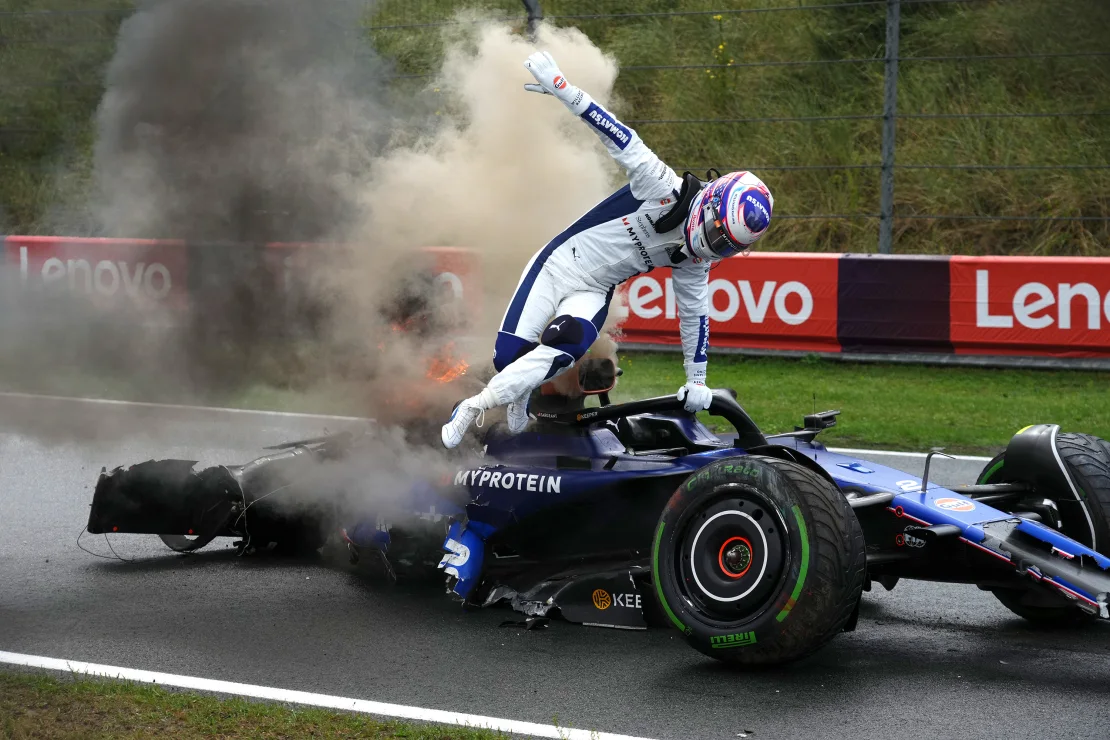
<point x="756" y="547"/>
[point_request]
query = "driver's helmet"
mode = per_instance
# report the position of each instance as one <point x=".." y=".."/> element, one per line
<point x="728" y="216"/>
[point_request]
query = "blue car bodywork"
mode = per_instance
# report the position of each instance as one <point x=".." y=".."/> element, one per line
<point x="583" y="462"/>
<point x="562" y="516"/>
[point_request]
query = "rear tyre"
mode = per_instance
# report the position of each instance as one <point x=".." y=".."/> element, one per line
<point x="1088" y="462"/>
<point x="758" y="561"/>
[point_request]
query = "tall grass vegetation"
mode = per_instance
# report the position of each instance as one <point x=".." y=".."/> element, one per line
<point x="51" y="71"/>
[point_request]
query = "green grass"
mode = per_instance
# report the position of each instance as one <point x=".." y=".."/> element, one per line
<point x="704" y="91"/>
<point x="33" y="706"/>
<point x="51" y="92"/>
<point x="902" y="407"/>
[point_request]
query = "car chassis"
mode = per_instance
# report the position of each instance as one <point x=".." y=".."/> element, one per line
<point x="565" y="517"/>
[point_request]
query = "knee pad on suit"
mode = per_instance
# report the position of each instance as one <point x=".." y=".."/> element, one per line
<point x="569" y="334"/>
<point x="508" y="348"/>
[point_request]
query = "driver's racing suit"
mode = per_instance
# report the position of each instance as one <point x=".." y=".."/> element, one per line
<point x="563" y="296"/>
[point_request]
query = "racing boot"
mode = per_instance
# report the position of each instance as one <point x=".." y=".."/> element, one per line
<point x="517" y="415"/>
<point x="470" y="410"/>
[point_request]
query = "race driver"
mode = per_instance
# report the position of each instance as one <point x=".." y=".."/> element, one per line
<point x="658" y="220"/>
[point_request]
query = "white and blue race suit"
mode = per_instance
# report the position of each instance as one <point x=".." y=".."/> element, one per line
<point x="562" y="299"/>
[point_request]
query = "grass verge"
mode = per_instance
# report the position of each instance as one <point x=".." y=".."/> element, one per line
<point x="900" y="407"/>
<point x="35" y="706"/>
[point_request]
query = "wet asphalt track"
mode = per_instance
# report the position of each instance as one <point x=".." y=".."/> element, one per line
<point x="928" y="660"/>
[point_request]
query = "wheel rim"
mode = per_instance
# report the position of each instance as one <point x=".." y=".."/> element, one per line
<point x="732" y="555"/>
<point x="735" y="557"/>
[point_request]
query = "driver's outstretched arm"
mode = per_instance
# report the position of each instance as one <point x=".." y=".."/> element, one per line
<point x="691" y="292"/>
<point x="649" y="177"/>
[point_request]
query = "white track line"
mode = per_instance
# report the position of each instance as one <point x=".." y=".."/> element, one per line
<point x="326" y="417"/>
<point x="178" y="407"/>
<point x="376" y="708"/>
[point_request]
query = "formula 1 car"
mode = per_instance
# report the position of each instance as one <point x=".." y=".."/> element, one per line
<point x="756" y="547"/>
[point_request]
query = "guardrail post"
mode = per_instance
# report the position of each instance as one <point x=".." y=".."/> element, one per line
<point x="535" y="15"/>
<point x="890" y="107"/>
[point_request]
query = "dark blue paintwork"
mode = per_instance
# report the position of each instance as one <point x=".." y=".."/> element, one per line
<point x="520" y="479"/>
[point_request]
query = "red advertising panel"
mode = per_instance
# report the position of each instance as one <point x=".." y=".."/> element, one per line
<point x="1031" y="306"/>
<point x="763" y="301"/>
<point x="111" y="272"/>
<point x="129" y="273"/>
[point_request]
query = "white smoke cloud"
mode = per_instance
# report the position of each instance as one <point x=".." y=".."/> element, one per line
<point x="249" y="120"/>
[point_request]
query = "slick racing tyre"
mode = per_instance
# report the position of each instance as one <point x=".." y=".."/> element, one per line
<point x="758" y="561"/>
<point x="1087" y="459"/>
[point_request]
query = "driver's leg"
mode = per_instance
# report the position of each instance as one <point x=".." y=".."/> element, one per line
<point x="537" y="296"/>
<point x="580" y="315"/>
<point x="579" y="318"/>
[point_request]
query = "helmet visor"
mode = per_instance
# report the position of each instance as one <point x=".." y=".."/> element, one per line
<point x="715" y="237"/>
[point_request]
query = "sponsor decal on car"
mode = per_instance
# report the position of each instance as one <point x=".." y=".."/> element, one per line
<point x="457" y="556"/>
<point x="908" y="540"/>
<point x="628" y="601"/>
<point x="739" y="639"/>
<point x="519" y="481"/>
<point x="601" y="599"/>
<point x="954" y="504"/>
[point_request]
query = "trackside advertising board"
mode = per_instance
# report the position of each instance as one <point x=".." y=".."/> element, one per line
<point x="110" y="272"/>
<point x="762" y="301"/>
<point x="1031" y="306"/>
<point x="842" y="303"/>
<point x="851" y="303"/>
<point x="172" y="275"/>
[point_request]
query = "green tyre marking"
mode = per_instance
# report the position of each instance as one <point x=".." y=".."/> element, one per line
<point x="801" y="571"/>
<point x="989" y="472"/>
<point x="658" y="583"/>
<point x="731" y="641"/>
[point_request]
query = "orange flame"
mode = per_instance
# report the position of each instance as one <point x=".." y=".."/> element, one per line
<point x="444" y="368"/>
<point x="443" y="372"/>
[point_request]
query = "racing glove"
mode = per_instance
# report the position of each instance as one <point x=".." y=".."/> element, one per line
<point x="695" y="393"/>
<point x="552" y="82"/>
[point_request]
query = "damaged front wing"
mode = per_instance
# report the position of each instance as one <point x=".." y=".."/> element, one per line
<point x="188" y="508"/>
